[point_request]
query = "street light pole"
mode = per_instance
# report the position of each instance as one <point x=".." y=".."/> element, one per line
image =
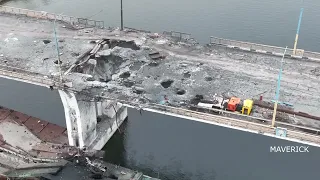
<point x="121" y="16"/>
<point x="298" y="30"/>
<point x="297" y="35"/>
<point x="57" y="46"/>
<point x="278" y="90"/>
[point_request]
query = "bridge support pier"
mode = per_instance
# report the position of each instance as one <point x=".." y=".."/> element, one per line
<point x="91" y="124"/>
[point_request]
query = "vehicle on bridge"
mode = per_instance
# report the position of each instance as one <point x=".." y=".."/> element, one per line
<point x="233" y="104"/>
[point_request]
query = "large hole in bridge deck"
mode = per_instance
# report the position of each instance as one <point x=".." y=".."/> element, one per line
<point x="208" y="78"/>
<point x="186" y="75"/>
<point x="107" y="63"/>
<point x="124" y="44"/>
<point x="180" y="91"/>
<point x="105" y="67"/>
<point x="46" y="41"/>
<point x="166" y="84"/>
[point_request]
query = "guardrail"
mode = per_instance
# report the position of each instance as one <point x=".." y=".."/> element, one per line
<point x="248" y="45"/>
<point x="21" y="74"/>
<point x="179" y="36"/>
<point x="310" y="54"/>
<point x="247" y="118"/>
<point x="51" y="16"/>
<point x="246" y="124"/>
<point x="265" y="49"/>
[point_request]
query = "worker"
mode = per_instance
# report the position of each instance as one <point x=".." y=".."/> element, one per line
<point x="165" y="100"/>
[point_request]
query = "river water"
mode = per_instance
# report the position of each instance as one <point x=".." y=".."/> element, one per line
<point x="272" y="22"/>
<point x="173" y="148"/>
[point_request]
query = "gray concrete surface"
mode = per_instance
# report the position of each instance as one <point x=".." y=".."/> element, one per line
<point x="193" y="69"/>
<point x="17" y="135"/>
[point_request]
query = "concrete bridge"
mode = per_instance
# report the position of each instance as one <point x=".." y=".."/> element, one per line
<point x="86" y="86"/>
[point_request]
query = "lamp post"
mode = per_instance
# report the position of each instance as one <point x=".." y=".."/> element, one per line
<point x="121" y="15"/>
<point x="57" y="46"/>
<point x="298" y="30"/>
<point x="278" y="90"/>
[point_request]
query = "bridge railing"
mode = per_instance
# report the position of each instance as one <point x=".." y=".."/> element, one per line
<point x="21" y="74"/>
<point x="249" y="45"/>
<point x="51" y="16"/>
<point x="311" y="136"/>
<point x="310" y="54"/>
<point x="179" y="36"/>
<point x="236" y="120"/>
<point x="266" y="48"/>
<point x="90" y="22"/>
<point x="230" y="114"/>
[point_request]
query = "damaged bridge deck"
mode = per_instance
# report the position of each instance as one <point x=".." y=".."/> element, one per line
<point x="142" y="67"/>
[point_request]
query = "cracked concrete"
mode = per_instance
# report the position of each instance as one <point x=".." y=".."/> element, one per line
<point x="125" y="69"/>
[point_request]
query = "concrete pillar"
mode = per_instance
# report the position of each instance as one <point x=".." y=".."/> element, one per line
<point x="81" y="119"/>
<point x="109" y="108"/>
<point x="72" y="115"/>
<point x="88" y="122"/>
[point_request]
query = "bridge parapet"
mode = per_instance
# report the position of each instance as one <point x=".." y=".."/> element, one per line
<point x="51" y="16"/>
<point x="247" y="124"/>
<point x="265" y="49"/>
<point x="26" y="76"/>
<point x="180" y="36"/>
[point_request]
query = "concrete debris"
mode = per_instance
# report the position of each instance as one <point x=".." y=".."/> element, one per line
<point x="138" y="90"/>
<point x="156" y="55"/>
<point x="187" y="74"/>
<point x="128" y="83"/>
<point x="153" y="64"/>
<point x="105" y="53"/>
<point x="154" y="35"/>
<point x="92" y="62"/>
<point x="162" y="41"/>
<point x="74" y="54"/>
<point x="125" y="75"/>
<point x="316" y="71"/>
<point x="68" y="84"/>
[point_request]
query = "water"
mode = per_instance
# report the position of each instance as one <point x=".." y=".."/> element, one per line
<point x="272" y="22"/>
<point x="33" y="100"/>
<point x="180" y="149"/>
<point x="174" y="148"/>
